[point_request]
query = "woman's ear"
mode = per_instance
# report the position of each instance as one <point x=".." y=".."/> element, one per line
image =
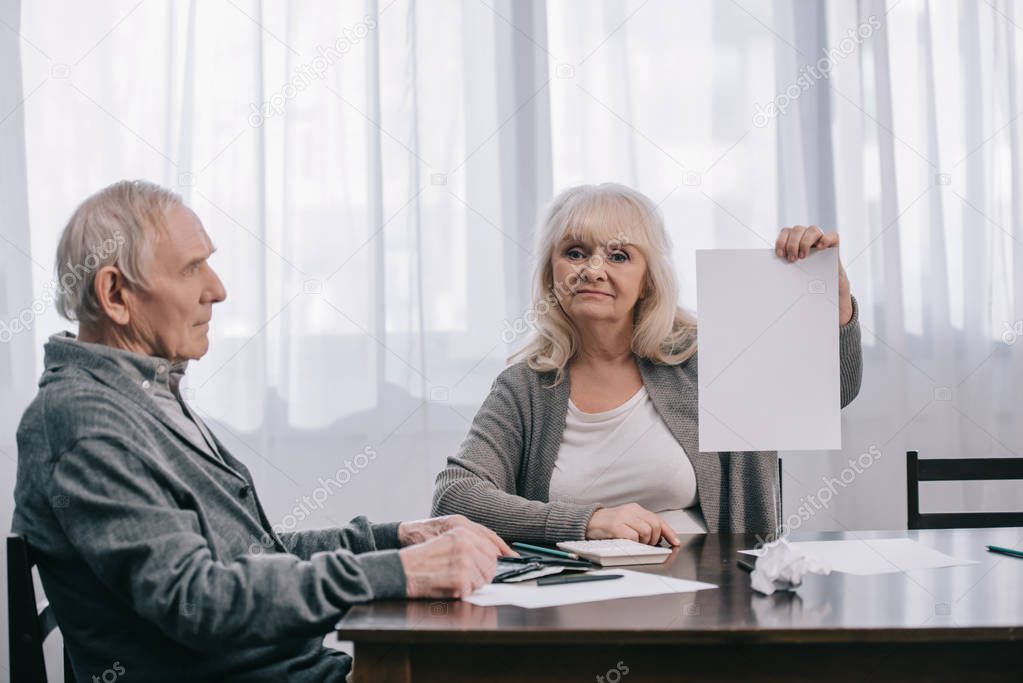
<point x="109" y="288"/>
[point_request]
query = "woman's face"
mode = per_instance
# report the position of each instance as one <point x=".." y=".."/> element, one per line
<point x="598" y="282"/>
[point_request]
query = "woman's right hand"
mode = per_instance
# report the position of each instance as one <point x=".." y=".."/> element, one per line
<point x="631" y="521"/>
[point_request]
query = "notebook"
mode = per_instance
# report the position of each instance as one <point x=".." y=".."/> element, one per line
<point x="616" y="552"/>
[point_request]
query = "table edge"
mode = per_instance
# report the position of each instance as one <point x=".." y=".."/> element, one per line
<point x="703" y="636"/>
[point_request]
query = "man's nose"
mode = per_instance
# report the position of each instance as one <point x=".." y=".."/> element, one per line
<point x="215" y="292"/>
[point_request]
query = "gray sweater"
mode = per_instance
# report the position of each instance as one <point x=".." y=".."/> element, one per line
<point x="157" y="555"/>
<point x="502" y="472"/>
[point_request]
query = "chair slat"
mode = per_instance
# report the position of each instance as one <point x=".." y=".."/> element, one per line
<point x="47" y="622"/>
<point x="970" y="520"/>
<point x="970" y="469"/>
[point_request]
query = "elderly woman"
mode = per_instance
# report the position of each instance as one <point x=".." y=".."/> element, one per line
<point x="593" y="433"/>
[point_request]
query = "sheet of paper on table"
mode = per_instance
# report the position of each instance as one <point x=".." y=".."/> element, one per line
<point x="874" y="555"/>
<point x="633" y="585"/>
<point x="768" y="351"/>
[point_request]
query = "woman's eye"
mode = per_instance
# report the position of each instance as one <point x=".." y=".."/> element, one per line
<point x="618" y="257"/>
<point x="575" y="254"/>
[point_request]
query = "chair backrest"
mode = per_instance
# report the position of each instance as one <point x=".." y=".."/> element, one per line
<point x="29" y="623"/>
<point x="958" y="469"/>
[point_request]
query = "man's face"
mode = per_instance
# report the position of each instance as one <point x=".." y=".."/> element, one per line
<point x="170" y="316"/>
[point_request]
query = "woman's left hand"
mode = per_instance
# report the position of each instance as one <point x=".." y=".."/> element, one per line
<point x="795" y="243"/>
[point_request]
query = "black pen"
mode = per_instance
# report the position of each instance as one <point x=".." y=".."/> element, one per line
<point x="745" y="564"/>
<point x="575" y="578"/>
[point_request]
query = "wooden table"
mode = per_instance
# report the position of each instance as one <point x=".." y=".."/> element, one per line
<point x="950" y="624"/>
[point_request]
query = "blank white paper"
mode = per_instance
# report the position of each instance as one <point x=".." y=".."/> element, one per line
<point x="873" y="555"/>
<point x="633" y="585"/>
<point x="768" y="351"/>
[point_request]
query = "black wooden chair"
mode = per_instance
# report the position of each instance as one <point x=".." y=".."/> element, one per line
<point x="29" y="622"/>
<point x="958" y="469"/>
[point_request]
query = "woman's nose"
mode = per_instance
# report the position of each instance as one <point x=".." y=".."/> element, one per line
<point x="595" y="267"/>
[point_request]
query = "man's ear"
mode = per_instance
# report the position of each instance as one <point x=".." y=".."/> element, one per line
<point x="109" y="287"/>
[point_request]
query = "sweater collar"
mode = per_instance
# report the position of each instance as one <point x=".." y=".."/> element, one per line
<point x="151" y="373"/>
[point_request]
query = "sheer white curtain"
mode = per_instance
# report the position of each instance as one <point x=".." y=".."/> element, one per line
<point x="908" y="146"/>
<point x="371" y="173"/>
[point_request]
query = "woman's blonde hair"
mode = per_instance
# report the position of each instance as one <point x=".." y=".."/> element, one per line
<point x="611" y="215"/>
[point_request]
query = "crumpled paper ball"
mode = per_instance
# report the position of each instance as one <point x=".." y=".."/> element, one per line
<point x="780" y="567"/>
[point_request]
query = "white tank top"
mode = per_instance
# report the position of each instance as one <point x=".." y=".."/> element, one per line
<point x="627" y="455"/>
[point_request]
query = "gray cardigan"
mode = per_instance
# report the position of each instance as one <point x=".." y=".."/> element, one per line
<point x="502" y="472"/>
<point x="158" y="556"/>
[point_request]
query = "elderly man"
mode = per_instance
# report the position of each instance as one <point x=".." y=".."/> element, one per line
<point x="153" y="548"/>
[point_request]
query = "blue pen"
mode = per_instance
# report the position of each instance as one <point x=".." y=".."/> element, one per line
<point x="1005" y="551"/>
<point x="546" y="551"/>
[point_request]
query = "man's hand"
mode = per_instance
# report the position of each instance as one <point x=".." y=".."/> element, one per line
<point x="632" y="521"/>
<point x="420" y="531"/>
<point x="451" y="565"/>
<point x="796" y="242"/>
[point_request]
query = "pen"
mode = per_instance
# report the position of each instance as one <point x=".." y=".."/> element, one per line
<point x="575" y="578"/>
<point x="1004" y="551"/>
<point x="547" y="551"/>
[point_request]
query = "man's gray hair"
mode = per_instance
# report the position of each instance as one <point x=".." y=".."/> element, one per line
<point x="115" y="226"/>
